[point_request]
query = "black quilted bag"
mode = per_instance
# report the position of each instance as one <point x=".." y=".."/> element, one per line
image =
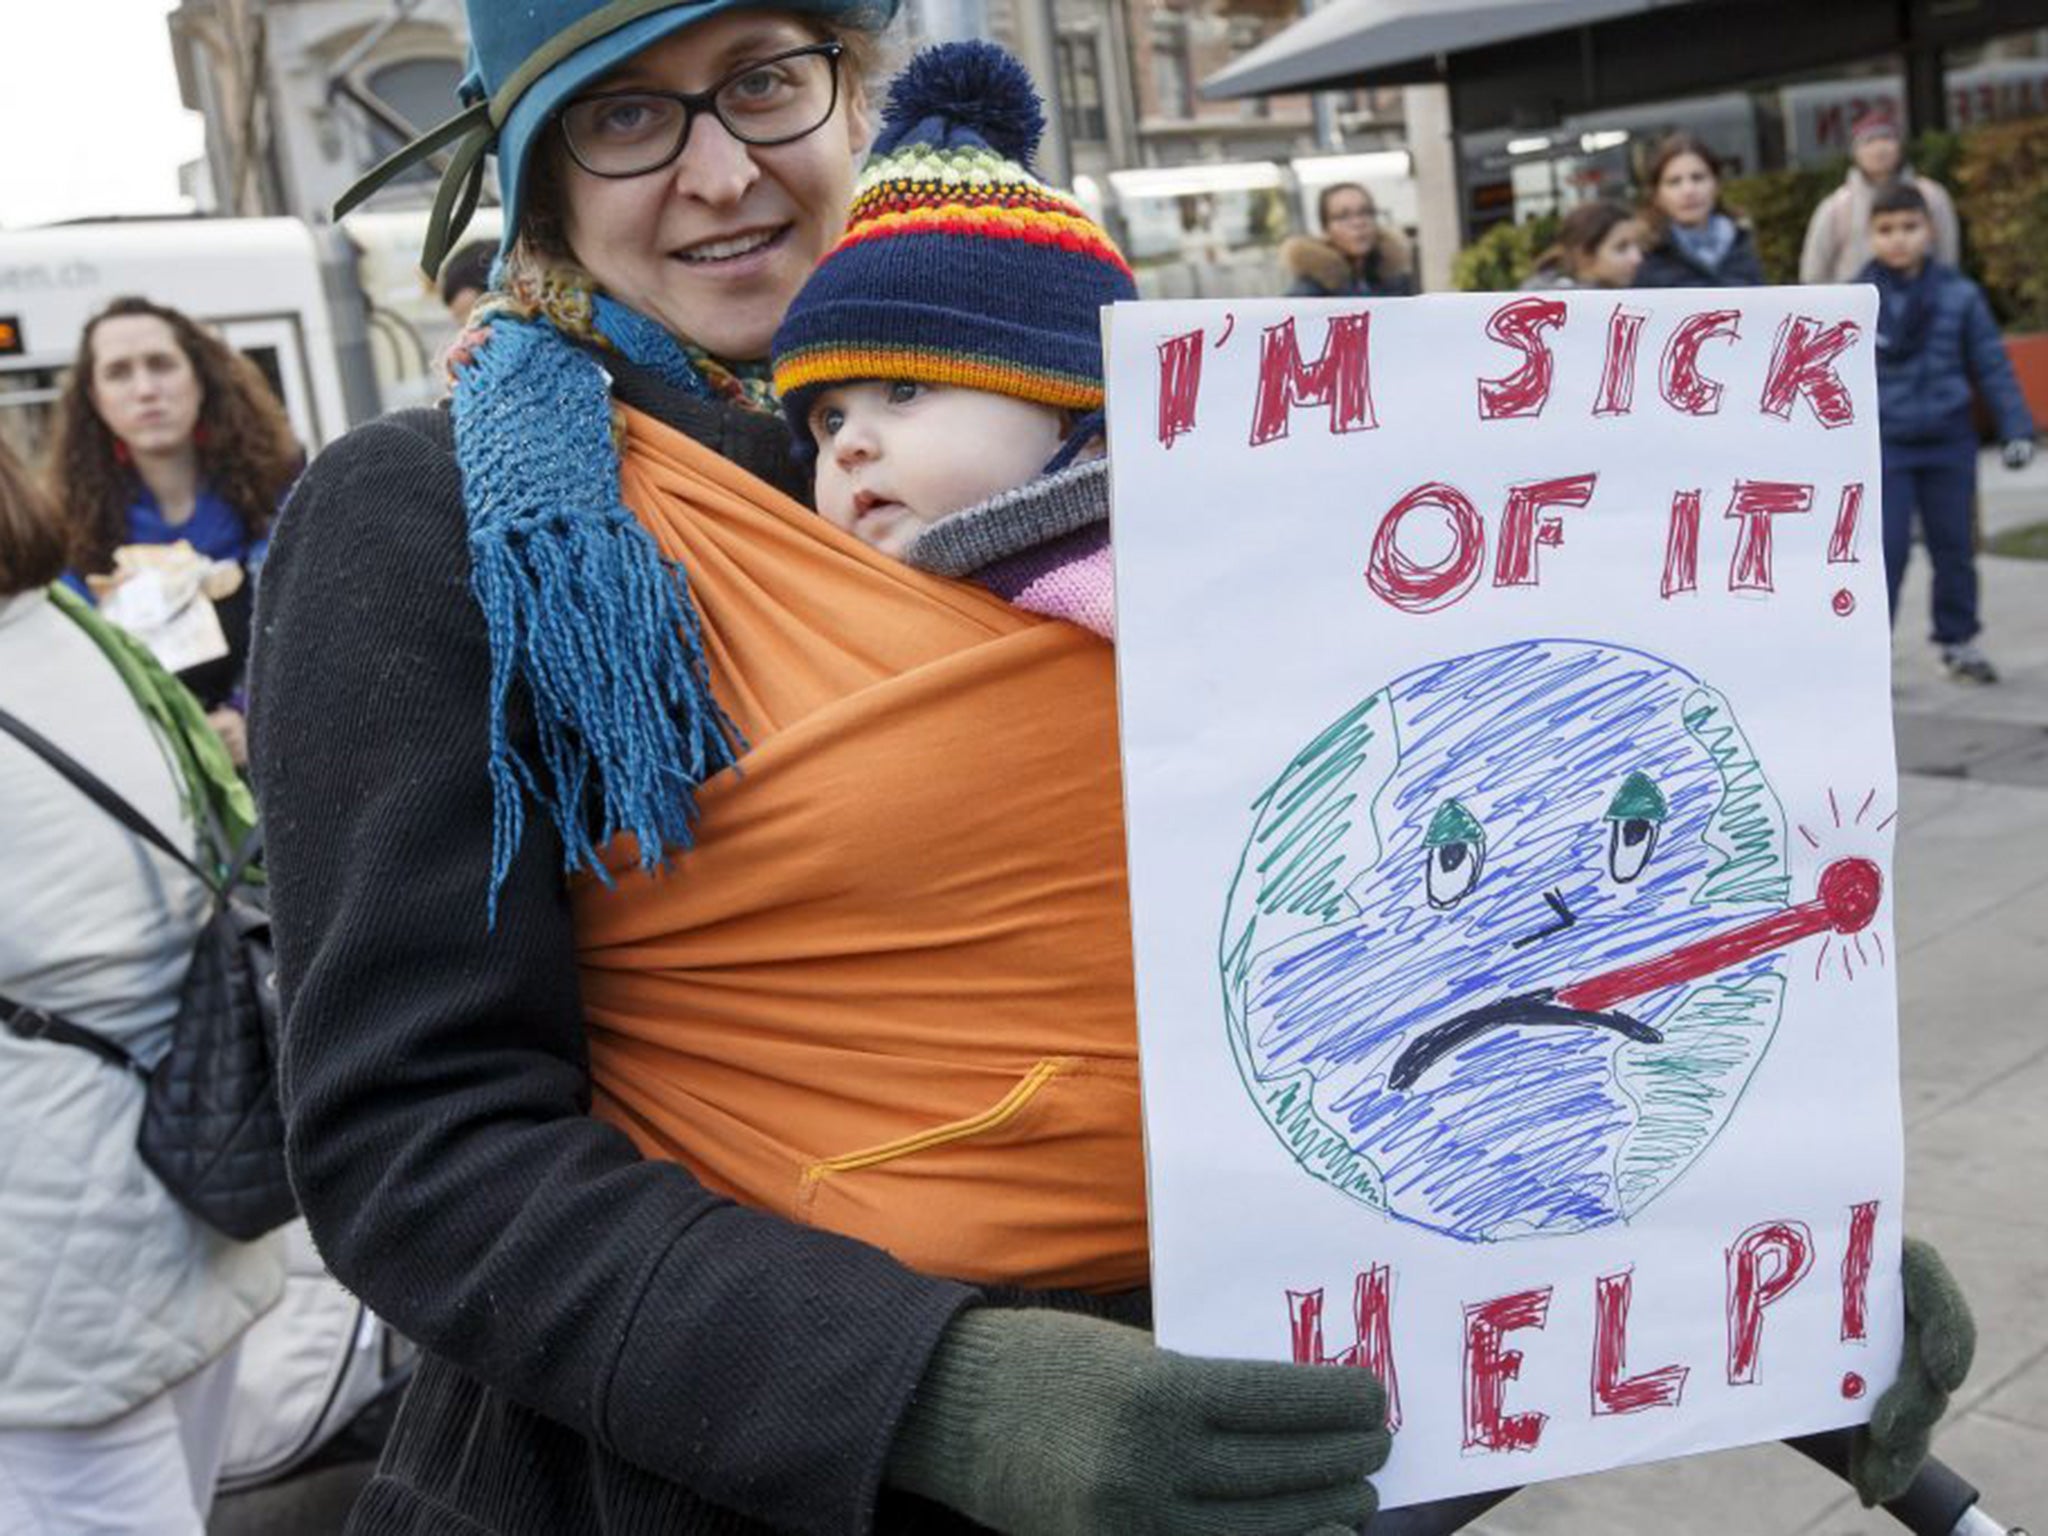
<point x="212" y="1129"/>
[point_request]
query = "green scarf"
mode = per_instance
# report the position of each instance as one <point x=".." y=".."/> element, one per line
<point x="214" y="792"/>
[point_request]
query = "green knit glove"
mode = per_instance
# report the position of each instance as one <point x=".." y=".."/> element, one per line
<point x="1048" y="1424"/>
<point x="1941" y="1337"/>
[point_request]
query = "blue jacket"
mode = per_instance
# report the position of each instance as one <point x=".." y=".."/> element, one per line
<point x="1935" y="337"/>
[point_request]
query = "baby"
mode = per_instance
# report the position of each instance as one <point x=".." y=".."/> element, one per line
<point x="945" y="360"/>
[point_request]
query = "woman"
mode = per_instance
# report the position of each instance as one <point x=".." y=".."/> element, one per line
<point x="877" y="1015"/>
<point x="123" y="1313"/>
<point x="1693" y="241"/>
<point x="703" y="1172"/>
<point x="1357" y="256"/>
<point x="166" y="433"/>
<point x="1837" y="243"/>
<point x="1598" y="245"/>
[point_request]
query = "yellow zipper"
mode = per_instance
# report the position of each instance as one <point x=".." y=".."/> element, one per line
<point x="1008" y="1109"/>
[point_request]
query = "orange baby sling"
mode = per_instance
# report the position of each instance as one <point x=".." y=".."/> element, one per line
<point x="888" y="992"/>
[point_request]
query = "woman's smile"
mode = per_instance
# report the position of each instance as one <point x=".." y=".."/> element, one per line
<point x="729" y="251"/>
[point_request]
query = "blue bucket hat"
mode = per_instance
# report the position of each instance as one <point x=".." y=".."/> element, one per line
<point x="527" y="60"/>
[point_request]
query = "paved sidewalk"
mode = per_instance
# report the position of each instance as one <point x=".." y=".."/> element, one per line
<point x="1972" y="883"/>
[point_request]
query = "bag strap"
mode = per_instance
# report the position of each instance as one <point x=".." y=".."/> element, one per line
<point x="26" y="1023"/>
<point x="89" y="785"/>
<point x="234" y="861"/>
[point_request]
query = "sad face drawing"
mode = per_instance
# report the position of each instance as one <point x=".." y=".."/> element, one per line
<point x="1508" y="939"/>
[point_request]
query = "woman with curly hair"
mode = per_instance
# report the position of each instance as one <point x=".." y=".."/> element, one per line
<point x="165" y="433"/>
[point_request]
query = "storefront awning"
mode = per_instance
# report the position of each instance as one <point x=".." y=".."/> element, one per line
<point x="1391" y="42"/>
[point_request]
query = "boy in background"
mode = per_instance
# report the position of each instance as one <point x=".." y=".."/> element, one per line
<point x="1935" y="338"/>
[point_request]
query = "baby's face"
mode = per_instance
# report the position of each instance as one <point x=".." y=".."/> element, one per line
<point x="895" y="456"/>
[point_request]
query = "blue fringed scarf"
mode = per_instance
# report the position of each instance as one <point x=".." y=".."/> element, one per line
<point x="1707" y="244"/>
<point x="583" y="609"/>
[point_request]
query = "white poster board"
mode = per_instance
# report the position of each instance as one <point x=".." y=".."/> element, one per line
<point x="1509" y="776"/>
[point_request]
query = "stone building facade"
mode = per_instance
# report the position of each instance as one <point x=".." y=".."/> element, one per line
<point x="301" y="96"/>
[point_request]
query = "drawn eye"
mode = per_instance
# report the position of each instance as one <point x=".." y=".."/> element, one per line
<point x="1634" y="817"/>
<point x="1455" y="846"/>
<point x="1630" y="843"/>
<point x="1453" y="870"/>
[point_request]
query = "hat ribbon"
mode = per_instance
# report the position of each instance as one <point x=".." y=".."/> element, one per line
<point x="472" y="132"/>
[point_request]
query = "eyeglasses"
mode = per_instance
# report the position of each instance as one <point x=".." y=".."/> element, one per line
<point x="1351" y="215"/>
<point x="772" y="101"/>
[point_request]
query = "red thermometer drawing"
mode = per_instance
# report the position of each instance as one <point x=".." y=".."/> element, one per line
<point x="1847" y="899"/>
<point x="1849" y="892"/>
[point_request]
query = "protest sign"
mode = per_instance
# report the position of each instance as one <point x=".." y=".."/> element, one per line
<point x="1510" y="789"/>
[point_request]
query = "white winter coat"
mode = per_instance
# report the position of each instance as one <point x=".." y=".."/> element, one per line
<point x="1837" y="244"/>
<point x="109" y="1291"/>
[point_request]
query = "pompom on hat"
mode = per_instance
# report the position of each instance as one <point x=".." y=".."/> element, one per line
<point x="958" y="265"/>
<point x="527" y="59"/>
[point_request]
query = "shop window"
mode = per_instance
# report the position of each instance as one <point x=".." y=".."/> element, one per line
<point x="1081" y="88"/>
<point x="412" y="95"/>
<point x="1820" y="115"/>
<point x="1173" y="86"/>
<point x="1997" y="81"/>
<point x="1243" y="35"/>
<point x="28" y="409"/>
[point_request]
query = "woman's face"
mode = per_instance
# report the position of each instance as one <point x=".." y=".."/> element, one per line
<point x="1613" y="262"/>
<point x="143" y="385"/>
<point x="715" y="244"/>
<point x="1351" y="223"/>
<point x="1687" y="190"/>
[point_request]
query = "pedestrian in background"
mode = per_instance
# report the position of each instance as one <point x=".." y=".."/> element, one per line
<point x="1356" y="256"/>
<point x="1598" y="245"/>
<point x="165" y="433"/>
<point x="121" y="1311"/>
<point x="1838" y="235"/>
<point x="1693" y="242"/>
<point x="1935" y="339"/>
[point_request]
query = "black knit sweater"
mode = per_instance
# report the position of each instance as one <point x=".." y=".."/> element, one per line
<point x="610" y="1347"/>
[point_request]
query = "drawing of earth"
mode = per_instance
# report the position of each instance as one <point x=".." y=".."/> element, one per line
<point x="1427" y="888"/>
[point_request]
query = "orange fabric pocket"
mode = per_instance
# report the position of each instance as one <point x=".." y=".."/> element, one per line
<point x="1044" y="1188"/>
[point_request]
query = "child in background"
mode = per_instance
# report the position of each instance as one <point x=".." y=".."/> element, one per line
<point x="945" y="359"/>
<point x="1935" y="338"/>
<point x="1598" y="245"/>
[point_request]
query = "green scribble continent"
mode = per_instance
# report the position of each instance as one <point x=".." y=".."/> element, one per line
<point x="1314" y="834"/>
<point x="1684" y="1087"/>
<point x="1748" y="828"/>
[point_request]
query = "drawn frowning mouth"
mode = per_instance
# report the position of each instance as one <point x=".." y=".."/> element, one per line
<point x="1846" y="900"/>
<point x="1538" y="1008"/>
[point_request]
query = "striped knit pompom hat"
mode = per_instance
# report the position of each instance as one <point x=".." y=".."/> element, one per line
<point x="958" y="265"/>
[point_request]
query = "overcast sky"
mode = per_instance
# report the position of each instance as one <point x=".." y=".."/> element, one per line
<point x="89" y="115"/>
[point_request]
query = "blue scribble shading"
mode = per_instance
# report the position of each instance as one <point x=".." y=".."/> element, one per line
<point x="1335" y="961"/>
